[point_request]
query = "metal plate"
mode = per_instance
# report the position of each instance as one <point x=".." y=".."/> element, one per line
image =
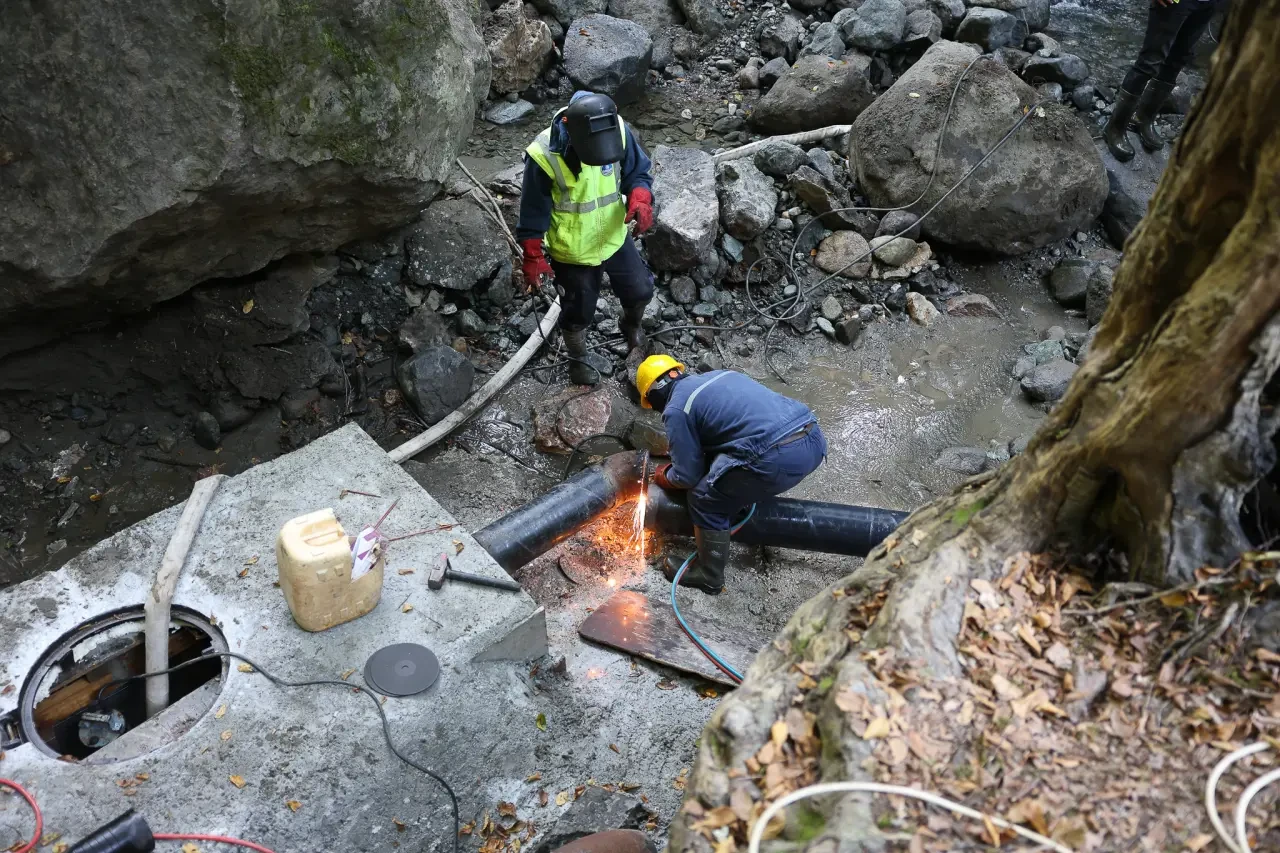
<point x="642" y="626"/>
<point x="401" y="670"/>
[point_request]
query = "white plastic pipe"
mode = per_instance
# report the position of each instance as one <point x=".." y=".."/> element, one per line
<point x="804" y="137"/>
<point x="159" y="600"/>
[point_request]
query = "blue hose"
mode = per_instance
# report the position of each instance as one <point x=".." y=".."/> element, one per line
<point x="697" y="641"/>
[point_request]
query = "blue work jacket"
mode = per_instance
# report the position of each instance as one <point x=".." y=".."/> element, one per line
<point x="718" y="420"/>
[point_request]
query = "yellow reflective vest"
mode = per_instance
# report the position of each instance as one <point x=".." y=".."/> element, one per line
<point x="588" y="217"/>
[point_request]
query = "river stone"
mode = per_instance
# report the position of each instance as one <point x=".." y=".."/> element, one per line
<point x="971" y="305"/>
<point x="878" y="25"/>
<point x="921" y="310"/>
<point x="779" y="38"/>
<point x="653" y="15"/>
<point x="780" y="159"/>
<point x="455" y="246"/>
<point x="894" y="251"/>
<point x="518" y="48"/>
<point x="1067" y="70"/>
<point x="815" y="92"/>
<point x="1050" y="182"/>
<point x="747" y="199"/>
<point x="147" y="148"/>
<point x="832" y="309"/>
<point x="838" y="250"/>
<point x="1098" y="294"/>
<point x="609" y="56"/>
<point x="963" y="460"/>
<point x="1045" y="351"/>
<point x="1069" y="281"/>
<point x="688" y="209"/>
<point x="436" y="381"/>
<point x="825" y="41"/>
<point x="773" y="71"/>
<point x="896" y="221"/>
<point x="1048" y="382"/>
<point x="508" y="112"/>
<point x="830" y="202"/>
<point x="988" y="28"/>
<point x="683" y="290"/>
<point x="704" y="16"/>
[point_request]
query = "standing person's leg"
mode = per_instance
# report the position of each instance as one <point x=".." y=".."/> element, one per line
<point x="581" y="288"/>
<point x="1163" y="23"/>
<point x="1176" y="58"/>
<point x="632" y="281"/>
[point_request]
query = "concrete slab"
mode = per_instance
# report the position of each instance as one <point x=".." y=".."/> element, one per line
<point x="317" y="746"/>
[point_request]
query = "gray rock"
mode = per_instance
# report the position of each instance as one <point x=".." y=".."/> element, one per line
<point x="1047" y="383"/>
<point x="832" y="309"/>
<point x="455" y="246"/>
<point x="705" y="310"/>
<point x="424" y="328"/>
<point x="207" y="432"/>
<point x="683" y="290"/>
<point x="949" y="12"/>
<point x="815" y="92"/>
<point x="704" y="16"/>
<point x="923" y="27"/>
<point x="963" y="460"/>
<point x="1045" y="351"/>
<point x="988" y="28"/>
<point x="596" y="810"/>
<point x="773" y="71"/>
<point x="436" y="381"/>
<point x="825" y="41"/>
<point x="608" y="55"/>
<point x="1069" y="281"/>
<point x="649" y="433"/>
<point x="894" y="251"/>
<point x="1083" y="96"/>
<point x="877" y="25"/>
<point x="920" y="309"/>
<point x="747" y="199"/>
<point x="519" y="48"/>
<point x="1054" y="333"/>
<point x="821" y="161"/>
<point x="1086" y="345"/>
<point x="748" y="77"/>
<point x="565" y="12"/>
<point x="1036" y="15"/>
<point x="1019" y="444"/>
<point x="506" y="112"/>
<point x="780" y="159"/>
<point x="1010" y="6"/>
<point x="1067" y="70"/>
<point x="779" y="37"/>
<point x="709" y="361"/>
<point x="1130" y="188"/>
<point x="119" y="431"/>
<point x="971" y="305"/>
<point x="653" y="15"/>
<point x="296" y="405"/>
<point x="1053" y="153"/>
<point x="1043" y="44"/>
<point x="1024" y="365"/>
<point x="733" y="247"/>
<point x="848" y="330"/>
<point x="825" y="325"/>
<point x="688" y="212"/>
<point x="1098" y="294"/>
<point x="264" y="373"/>
<point x="1051" y="92"/>
<point x="5" y="437"/>
<point x="845" y="252"/>
<point x="500" y="293"/>
<point x="899" y="221"/>
<point x="1012" y="58"/>
<point x="131" y="186"/>
<point x="470" y="325"/>
<point x="229" y="414"/>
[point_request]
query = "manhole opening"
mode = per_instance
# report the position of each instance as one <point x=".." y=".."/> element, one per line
<point x="69" y="706"/>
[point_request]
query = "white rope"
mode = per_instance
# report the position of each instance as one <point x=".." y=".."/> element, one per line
<point x="1242" y="832"/>
<point x="1211" y="796"/>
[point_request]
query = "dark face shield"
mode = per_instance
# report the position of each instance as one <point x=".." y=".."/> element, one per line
<point x="593" y="125"/>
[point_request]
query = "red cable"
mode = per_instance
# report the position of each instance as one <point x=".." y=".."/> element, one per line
<point x="31" y="801"/>
<point x="217" y="839"/>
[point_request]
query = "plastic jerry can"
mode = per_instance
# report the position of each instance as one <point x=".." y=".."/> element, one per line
<point x="315" y="562"/>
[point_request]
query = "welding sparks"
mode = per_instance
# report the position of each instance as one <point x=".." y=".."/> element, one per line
<point x="637" y="525"/>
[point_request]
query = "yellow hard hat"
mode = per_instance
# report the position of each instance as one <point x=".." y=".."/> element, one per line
<point x="648" y="372"/>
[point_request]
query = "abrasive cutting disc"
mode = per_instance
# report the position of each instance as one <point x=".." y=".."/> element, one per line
<point x="401" y="670"/>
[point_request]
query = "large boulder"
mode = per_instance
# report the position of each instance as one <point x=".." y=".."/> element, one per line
<point x="779" y="37"/>
<point x="608" y="55"/>
<point x="825" y="41"/>
<point x="1068" y="70"/>
<point x="436" y="381"/>
<point x="1036" y="15"/>
<point x="518" y="47"/>
<point x="146" y="148"/>
<point x="566" y="12"/>
<point x="747" y="199"/>
<point x="704" y="16"/>
<point x="688" y="211"/>
<point x="949" y="12"/>
<point x="456" y="246"/>
<point x="877" y="25"/>
<point x="653" y="15"/>
<point x="1046" y="182"/>
<point x="990" y="29"/>
<point x="815" y="92"/>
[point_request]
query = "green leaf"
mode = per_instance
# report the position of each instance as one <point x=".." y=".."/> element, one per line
<point x="541" y="722"/>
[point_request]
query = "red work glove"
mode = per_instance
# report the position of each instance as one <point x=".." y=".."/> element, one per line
<point x="535" y="264"/>
<point x="640" y="209"/>
<point x="660" y="476"/>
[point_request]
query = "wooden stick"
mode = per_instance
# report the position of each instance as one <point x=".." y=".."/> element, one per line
<point x="416" y="445"/>
<point x="496" y="208"/>
<point x="794" y="138"/>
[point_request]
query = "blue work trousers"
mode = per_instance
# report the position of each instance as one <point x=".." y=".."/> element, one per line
<point x="714" y="504"/>
<point x="629" y="277"/>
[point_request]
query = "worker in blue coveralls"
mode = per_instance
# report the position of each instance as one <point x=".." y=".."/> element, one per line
<point x="733" y="442"/>
<point x="586" y="179"/>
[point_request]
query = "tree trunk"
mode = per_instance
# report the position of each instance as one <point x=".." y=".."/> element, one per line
<point x="1158" y="439"/>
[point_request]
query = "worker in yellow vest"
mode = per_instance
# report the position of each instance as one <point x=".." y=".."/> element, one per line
<point x="576" y="175"/>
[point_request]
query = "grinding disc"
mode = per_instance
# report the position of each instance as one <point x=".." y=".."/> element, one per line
<point x="401" y="670"/>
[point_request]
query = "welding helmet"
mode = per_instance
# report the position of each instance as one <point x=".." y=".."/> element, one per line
<point x="592" y="122"/>
<point x="653" y="374"/>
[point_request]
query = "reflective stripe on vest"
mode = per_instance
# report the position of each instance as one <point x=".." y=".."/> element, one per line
<point x="585" y="228"/>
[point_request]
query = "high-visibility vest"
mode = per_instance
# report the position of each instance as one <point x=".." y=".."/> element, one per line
<point x="588" y="217"/>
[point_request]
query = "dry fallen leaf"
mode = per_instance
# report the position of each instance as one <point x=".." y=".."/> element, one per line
<point x="244" y="667"/>
<point x="406" y="607"/>
<point x="293" y="805"/>
<point x="458" y="546"/>
<point x="562" y="798"/>
<point x="778" y="734"/>
<point x="667" y="684"/>
<point x="405" y="572"/>
<point x="247" y="307"/>
<point x="614" y="747"/>
<point x="226" y="735"/>
<point x="877" y="728"/>
<point x="399" y="824"/>
<point x="238" y="781"/>
<point x="542" y="797"/>
<point x="1028" y="636"/>
<point x="347" y="674"/>
<point x="190" y="848"/>
<point x="506" y="809"/>
<point x="533" y="777"/>
<point x="541" y="722"/>
<point x="61" y="847"/>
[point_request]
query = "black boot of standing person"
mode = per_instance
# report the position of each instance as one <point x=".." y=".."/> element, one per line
<point x="1117" y="130"/>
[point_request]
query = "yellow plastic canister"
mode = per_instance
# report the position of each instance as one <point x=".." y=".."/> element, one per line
<point x="314" y="558"/>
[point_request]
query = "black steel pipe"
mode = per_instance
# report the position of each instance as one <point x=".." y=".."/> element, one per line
<point x="526" y="533"/>
<point x="787" y="523"/>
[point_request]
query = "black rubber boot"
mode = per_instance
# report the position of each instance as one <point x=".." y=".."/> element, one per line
<point x="632" y="316"/>
<point x="575" y="347"/>
<point x="1117" y="132"/>
<point x="706" y="572"/>
<point x="1144" y="117"/>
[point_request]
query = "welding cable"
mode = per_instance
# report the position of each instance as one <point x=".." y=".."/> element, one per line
<point x="720" y="663"/>
<point x="213" y="839"/>
<point x="758" y="828"/>
<point x="31" y="801"/>
<point x="329" y="682"/>
<point x="1240" y="843"/>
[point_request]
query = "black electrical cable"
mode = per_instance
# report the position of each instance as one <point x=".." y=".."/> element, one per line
<point x="330" y="682"/>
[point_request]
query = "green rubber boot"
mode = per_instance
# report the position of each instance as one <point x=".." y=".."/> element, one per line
<point x="1144" y="117"/>
<point x="1117" y="131"/>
